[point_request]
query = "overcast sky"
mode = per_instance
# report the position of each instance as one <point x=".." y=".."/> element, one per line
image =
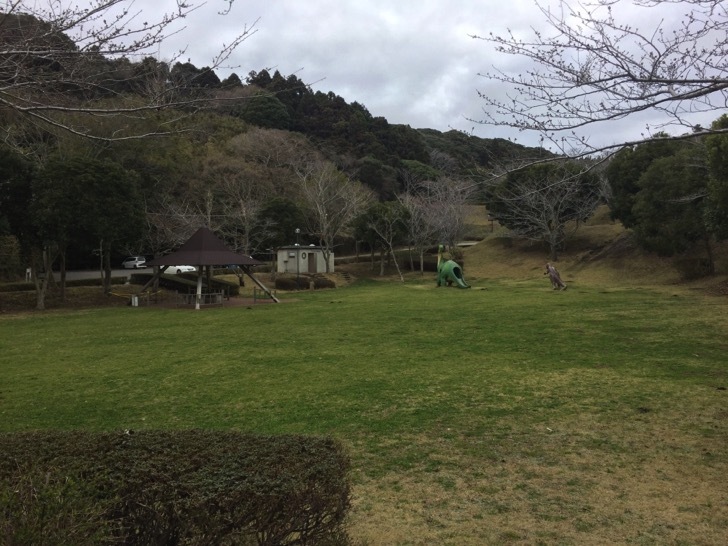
<point x="411" y="61"/>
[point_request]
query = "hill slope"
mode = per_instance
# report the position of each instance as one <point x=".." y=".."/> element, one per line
<point x="601" y="252"/>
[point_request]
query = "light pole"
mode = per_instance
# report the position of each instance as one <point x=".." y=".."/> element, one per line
<point x="298" y="260"/>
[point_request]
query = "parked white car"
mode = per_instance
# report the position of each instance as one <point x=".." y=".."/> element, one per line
<point x="134" y="262"/>
<point x="179" y="269"/>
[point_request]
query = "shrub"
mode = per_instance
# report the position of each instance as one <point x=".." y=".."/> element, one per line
<point x="323" y="282"/>
<point x="284" y="283"/>
<point x="288" y="283"/>
<point x="39" y="506"/>
<point x="172" y="487"/>
<point x="694" y="268"/>
<point x="304" y="283"/>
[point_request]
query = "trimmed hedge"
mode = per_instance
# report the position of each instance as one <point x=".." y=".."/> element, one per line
<point x="323" y="282"/>
<point x="286" y="283"/>
<point x="28" y="286"/>
<point x="172" y="487"/>
<point x="304" y="283"/>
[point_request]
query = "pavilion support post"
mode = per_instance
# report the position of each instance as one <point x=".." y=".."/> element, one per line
<point x="198" y="296"/>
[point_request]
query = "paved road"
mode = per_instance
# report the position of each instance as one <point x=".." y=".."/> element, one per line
<point x="96" y="274"/>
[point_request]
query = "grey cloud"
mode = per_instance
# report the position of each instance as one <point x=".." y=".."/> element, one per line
<point x="412" y="62"/>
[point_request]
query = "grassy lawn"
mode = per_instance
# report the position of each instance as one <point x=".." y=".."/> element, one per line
<point x="508" y="413"/>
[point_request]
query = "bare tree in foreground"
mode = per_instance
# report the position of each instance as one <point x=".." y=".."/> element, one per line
<point x="603" y="60"/>
<point x="64" y="66"/>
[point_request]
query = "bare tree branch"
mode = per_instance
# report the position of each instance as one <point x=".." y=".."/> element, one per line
<point x="591" y="67"/>
<point x="331" y="200"/>
<point x="539" y="203"/>
<point x="65" y="66"/>
<point x="438" y="210"/>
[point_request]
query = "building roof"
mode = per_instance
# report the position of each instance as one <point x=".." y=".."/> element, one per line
<point x="204" y="248"/>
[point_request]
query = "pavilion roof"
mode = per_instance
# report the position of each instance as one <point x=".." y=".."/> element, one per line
<point x="204" y="248"/>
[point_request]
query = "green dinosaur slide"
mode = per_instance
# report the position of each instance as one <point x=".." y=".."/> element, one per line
<point x="449" y="272"/>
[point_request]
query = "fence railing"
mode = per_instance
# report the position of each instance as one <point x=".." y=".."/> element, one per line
<point x="206" y="298"/>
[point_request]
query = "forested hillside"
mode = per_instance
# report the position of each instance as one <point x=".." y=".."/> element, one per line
<point x="367" y="146"/>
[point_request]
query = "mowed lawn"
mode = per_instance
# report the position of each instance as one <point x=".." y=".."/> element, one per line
<point x="504" y="414"/>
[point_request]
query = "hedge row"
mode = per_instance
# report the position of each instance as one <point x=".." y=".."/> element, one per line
<point x="303" y="283"/>
<point x="29" y="286"/>
<point x="171" y="487"/>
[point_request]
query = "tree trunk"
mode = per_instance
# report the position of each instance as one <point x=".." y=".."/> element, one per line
<point x="41" y="275"/>
<point x="553" y="246"/>
<point x="107" y="271"/>
<point x="711" y="258"/>
<point x="396" y="265"/>
<point x="326" y="254"/>
<point x="62" y="257"/>
<point x="41" y="285"/>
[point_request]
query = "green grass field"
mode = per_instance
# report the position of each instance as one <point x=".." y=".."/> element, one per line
<point x="504" y="414"/>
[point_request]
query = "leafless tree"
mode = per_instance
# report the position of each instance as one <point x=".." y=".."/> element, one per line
<point x="243" y="197"/>
<point x="271" y="148"/>
<point x="331" y="201"/>
<point x="170" y="222"/>
<point x="602" y="60"/>
<point x="277" y="153"/>
<point x="546" y="202"/>
<point x="388" y="221"/>
<point x="226" y="196"/>
<point x="65" y="67"/>
<point x="421" y="233"/>
<point x="447" y="199"/>
<point x="437" y="212"/>
<point x="443" y="162"/>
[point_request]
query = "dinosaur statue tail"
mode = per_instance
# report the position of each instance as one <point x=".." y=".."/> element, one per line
<point x="457" y="277"/>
